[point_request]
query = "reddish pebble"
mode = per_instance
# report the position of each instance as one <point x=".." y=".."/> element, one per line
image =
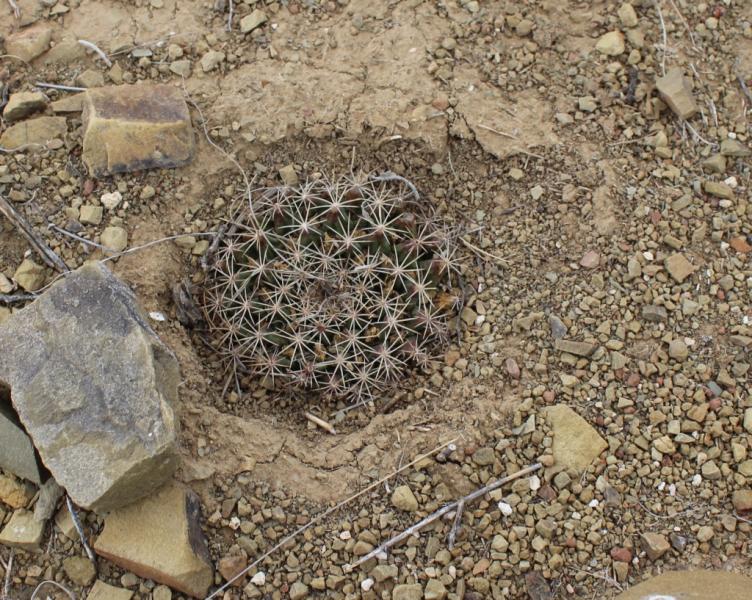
<point x="655" y="217"/>
<point x="718" y="11"/>
<point x="549" y="397"/>
<point x="513" y="369"/>
<point x="621" y="554"/>
<point x="88" y="187"/>
<point x="590" y="260"/>
<point x="570" y="543"/>
<point x="633" y="380"/>
<point x="440" y="103"/>
<point x="740" y="245"/>
<point x="714" y="404"/>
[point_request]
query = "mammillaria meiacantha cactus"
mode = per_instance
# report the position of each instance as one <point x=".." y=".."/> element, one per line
<point x="331" y="286"/>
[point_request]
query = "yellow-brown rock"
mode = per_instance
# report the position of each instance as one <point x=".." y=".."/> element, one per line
<point x="28" y="43"/>
<point x="22" y="104"/>
<point x="134" y="127"/>
<point x="38" y="132"/>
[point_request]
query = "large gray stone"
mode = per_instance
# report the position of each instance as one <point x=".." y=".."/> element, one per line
<point x="93" y="386"/>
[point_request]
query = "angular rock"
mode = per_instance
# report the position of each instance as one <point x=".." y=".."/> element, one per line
<point x="114" y="238"/>
<point x="22" y="104"/>
<point x="49" y="493"/>
<point x="611" y="43"/>
<point x="211" y="60"/>
<point x="435" y="590"/>
<point x="584" y="349"/>
<point x="627" y="15"/>
<point x="691" y="585"/>
<point x="742" y="501"/>
<point x="134" y="127"/>
<point x="576" y="444"/>
<point x="17" y="453"/>
<point x="407" y="591"/>
<point x="28" y="43"/>
<point x="298" y="591"/>
<point x="29" y="275"/>
<point x="676" y="92"/>
<point x="104" y="591"/>
<point x="14" y="493"/>
<point x="404" y="499"/>
<point x="734" y="148"/>
<point x="160" y="538"/>
<point x="654" y="313"/>
<point x="252" y="21"/>
<point x="34" y="132"/>
<point x="69" y="104"/>
<point x="654" y="544"/>
<point x="718" y="189"/>
<point x="79" y="570"/>
<point x="93" y="386"/>
<point x="23" y="531"/>
<point x="678" y="267"/>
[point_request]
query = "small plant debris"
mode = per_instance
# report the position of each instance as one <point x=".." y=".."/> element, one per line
<point x="332" y="286"/>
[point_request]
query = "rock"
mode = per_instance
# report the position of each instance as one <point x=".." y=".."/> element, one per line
<point x="161" y="592"/>
<point x="14" y="493"/>
<point x="537" y="586"/>
<point x="621" y="554"/>
<point x="715" y="164"/>
<point x="288" y="175"/>
<point x="587" y="104"/>
<point x="23" y="531"/>
<point x="28" y="43"/>
<point x="678" y="267"/>
<point x="678" y="542"/>
<point x="79" y="570"/>
<point x="664" y="445"/>
<point x="404" y="499"/>
<point x="435" y="590"/>
<point x="590" y="260"/>
<point x="17" y="454"/>
<point x="676" y="92"/>
<point x="611" y="43"/>
<point x="134" y="127"/>
<point x="298" y="591"/>
<point x="64" y="52"/>
<point x="705" y="534"/>
<point x="694" y="585"/>
<point x="734" y="148"/>
<point x="90" y="79"/>
<point x="65" y="524"/>
<point x="49" y="494"/>
<point x="627" y="15"/>
<point x="747" y="423"/>
<point x="558" y="329"/>
<point x="678" y="350"/>
<point x="104" y="591"/>
<point x="160" y="538"/>
<point x="111" y="200"/>
<point x="29" y="275"/>
<point x="718" y="189"/>
<point x="742" y="500"/>
<point x="33" y="133"/>
<point x="513" y="368"/>
<point x="114" y="238"/>
<point x="230" y="566"/>
<point x="576" y="444"/>
<point x="69" y="104"/>
<point x="577" y="348"/>
<point x="486" y="456"/>
<point x="22" y="104"/>
<point x="654" y="313"/>
<point x="252" y="21"/>
<point x="407" y="591"/>
<point x="211" y="60"/>
<point x="384" y="572"/>
<point x="654" y="544"/>
<point x="182" y="67"/>
<point x="710" y="471"/>
<point x="103" y="426"/>
<point x="91" y="214"/>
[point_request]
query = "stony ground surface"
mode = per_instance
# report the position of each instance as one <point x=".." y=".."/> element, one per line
<point x="594" y="215"/>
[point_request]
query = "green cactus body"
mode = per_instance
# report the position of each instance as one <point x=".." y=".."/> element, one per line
<point x="331" y="286"/>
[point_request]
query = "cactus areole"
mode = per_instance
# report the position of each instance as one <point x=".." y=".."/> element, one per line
<point x="335" y="287"/>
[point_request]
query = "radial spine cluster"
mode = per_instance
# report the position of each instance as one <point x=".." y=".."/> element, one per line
<point x="332" y="286"/>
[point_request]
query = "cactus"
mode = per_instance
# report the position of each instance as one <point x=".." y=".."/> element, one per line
<point x="332" y="286"/>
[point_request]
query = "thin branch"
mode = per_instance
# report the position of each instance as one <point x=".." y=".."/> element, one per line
<point x="482" y="252"/>
<point x="97" y="49"/>
<point x="320" y="423"/>
<point x="70" y="594"/>
<point x="322" y="516"/>
<point x="497" y="132"/>
<point x="55" y="86"/>
<point x="8" y="569"/>
<point x="657" y="5"/>
<point x="456" y="526"/>
<point x="441" y="512"/>
<point x="80" y="530"/>
<point x="684" y="22"/>
<point x="14" y="7"/>
<point x="229" y="15"/>
<point x="37" y="243"/>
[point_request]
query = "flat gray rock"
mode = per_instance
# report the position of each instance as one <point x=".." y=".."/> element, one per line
<point x="93" y="385"/>
<point x="17" y="453"/>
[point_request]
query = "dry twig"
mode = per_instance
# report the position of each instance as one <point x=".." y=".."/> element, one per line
<point x="80" y="530"/>
<point x="70" y="594"/>
<point x="14" y="7"/>
<point x="321" y="516"/>
<point x="92" y="46"/>
<point x="37" y="243"/>
<point x="8" y="569"/>
<point x="497" y="132"/>
<point x="664" y="49"/>
<point x="456" y="525"/>
<point x="55" y="86"/>
<point x="482" y="252"/>
<point x="320" y="423"/>
<point x="441" y="512"/>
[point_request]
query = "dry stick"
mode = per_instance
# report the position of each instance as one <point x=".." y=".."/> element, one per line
<point x="320" y="422"/>
<point x="323" y="515"/>
<point x="745" y="89"/>
<point x="16" y="10"/>
<point x="97" y="49"/>
<point x="663" y="34"/>
<point x="456" y="525"/>
<point x="8" y="569"/>
<point x="441" y="512"/>
<point x="684" y="22"/>
<point x="497" y="132"/>
<point x="49" y="257"/>
<point x="78" y="237"/>
<point x="80" y="530"/>
<point x="71" y="595"/>
<point x="55" y="86"/>
<point x="229" y="16"/>
<point x="482" y="252"/>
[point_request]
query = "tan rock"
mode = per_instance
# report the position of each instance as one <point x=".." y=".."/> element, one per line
<point x="627" y="15"/>
<point x="584" y="349"/>
<point x="691" y="585"/>
<point x="35" y="132"/>
<point x="252" y="21"/>
<point x="29" y="275"/>
<point x="91" y="214"/>
<point x="28" y="43"/>
<point x="69" y="104"/>
<point x="23" y="531"/>
<point x="160" y="538"/>
<point x="114" y="238"/>
<point x="678" y="267"/>
<point x="718" y="189"/>
<point x="742" y="501"/>
<point x="64" y="52"/>
<point x="133" y="127"/>
<point x="676" y="92"/>
<point x="14" y="493"/>
<point x="404" y="499"/>
<point x="655" y="545"/>
<point x="734" y="148"/>
<point x="80" y="570"/>
<point x="22" y="104"/>
<point x="611" y="43"/>
<point x="103" y="591"/>
<point x="576" y="444"/>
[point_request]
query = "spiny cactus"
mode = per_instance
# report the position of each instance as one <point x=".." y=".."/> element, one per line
<point x="331" y="286"/>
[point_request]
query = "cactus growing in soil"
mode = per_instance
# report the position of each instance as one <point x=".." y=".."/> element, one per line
<point x="333" y="286"/>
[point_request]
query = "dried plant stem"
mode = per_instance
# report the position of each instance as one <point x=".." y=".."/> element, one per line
<point x="80" y="530"/>
<point x="230" y="10"/>
<point x="70" y="594"/>
<point x="320" y="423"/>
<point x="97" y="49"/>
<point x="441" y="512"/>
<point x="664" y="37"/>
<point x="323" y="515"/>
<point x="456" y="526"/>
<point x="684" y="22"/>
<point x="15" y="9"/>
<point x="497" y="132"/>
<point x="8" y="569"/>
<point x="55" y="86"/>
<point x="482" y="252"/>
<point x="37" y="243"/>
